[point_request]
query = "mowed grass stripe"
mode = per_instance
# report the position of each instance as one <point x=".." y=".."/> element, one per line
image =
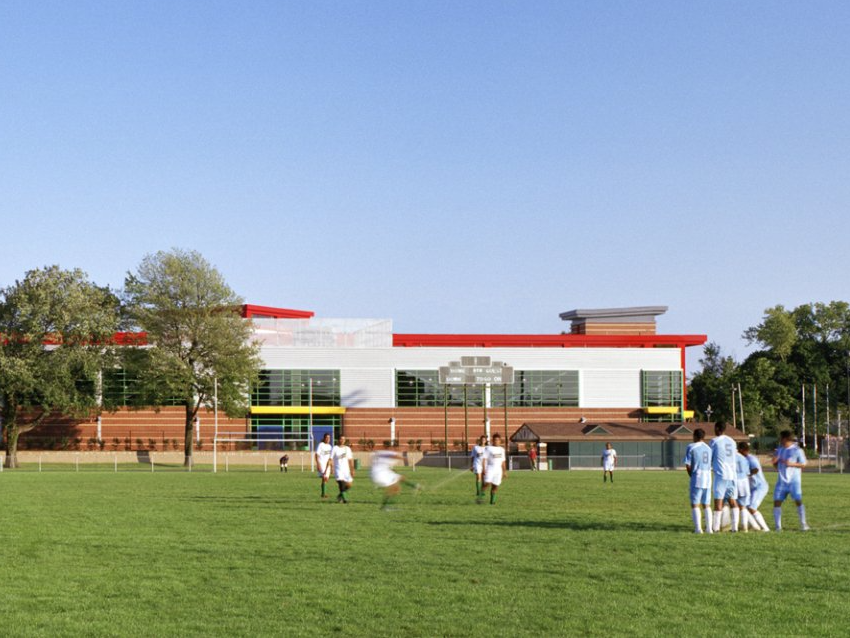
<point x="174" y="553"/>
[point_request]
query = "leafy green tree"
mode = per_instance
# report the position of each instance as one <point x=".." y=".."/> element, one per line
<point x="189" y="314"/>
<point x="711" y="386"/>
<point x="777" y="332"/>
<point x="56" y="330"/>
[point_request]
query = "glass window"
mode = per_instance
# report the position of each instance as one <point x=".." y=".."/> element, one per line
<point x="421" y="389"/>
<point x="539" y="388"/>
<point x="293" y="388"/>
<point x="662" y="388"/>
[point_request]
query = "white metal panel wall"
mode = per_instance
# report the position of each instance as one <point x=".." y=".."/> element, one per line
<point x="609" y="377"/>
<point x="610" y="388"/>
<point x="367" y="387"/>
<point x="432" y="358"/>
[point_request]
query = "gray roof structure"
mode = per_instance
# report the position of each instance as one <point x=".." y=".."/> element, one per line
<point x="632" y="314"/>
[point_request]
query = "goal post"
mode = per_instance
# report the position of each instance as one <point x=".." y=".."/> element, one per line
<point x="264" y="441"/>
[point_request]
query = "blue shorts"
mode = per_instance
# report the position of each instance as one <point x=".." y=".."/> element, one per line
<point x="700" y="495"/>
<point x="725" y="489"/>
<point x="783" y="489"/>
<point x="757" y="496"/>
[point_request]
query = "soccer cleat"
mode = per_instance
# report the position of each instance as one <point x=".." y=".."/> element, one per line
<point x="805" y="528"/>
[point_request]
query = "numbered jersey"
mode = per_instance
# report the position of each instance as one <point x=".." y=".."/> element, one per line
<point x="723" y="451"/>
<point x="698" y="458"/>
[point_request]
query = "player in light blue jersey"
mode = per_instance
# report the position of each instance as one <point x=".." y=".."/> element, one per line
<point x="758" y="486"/>
<point x="698" y="464"/>
<point x="723" y="451"/>
<point x="789" y="461"/>
<point x="742" y="478"/>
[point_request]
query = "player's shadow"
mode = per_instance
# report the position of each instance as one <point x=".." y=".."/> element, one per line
<point x="578" y="525"/>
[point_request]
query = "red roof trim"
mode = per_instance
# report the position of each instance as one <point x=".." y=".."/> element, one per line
<point x="250" y="310"/>
<point x="545" y="341"/>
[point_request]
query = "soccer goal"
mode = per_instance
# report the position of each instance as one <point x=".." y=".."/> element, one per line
<point x="262" y="442"/>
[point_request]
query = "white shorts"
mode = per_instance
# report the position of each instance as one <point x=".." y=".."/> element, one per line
<point x="344" y="475"/>
<point x="493" y="477"/>
<point x="324" y="473"/>
<point x="385" y="478"/>
<point x="478" y="467"/>
<point x="608" y="467"/>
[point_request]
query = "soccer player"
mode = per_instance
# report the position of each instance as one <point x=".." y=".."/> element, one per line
<point x="477" y="465"/>
<point x="384" y="477"/>
<point x="609" y="462"/>
<point x="758" y="486"/>
<point x="742" y="480"/>
<point x="789" y="461"/>
<point x="323" y="461"/>
<point x="698" y="464"/>
<point x="725" y="484"/>
<point x="494" y="468"/>
<point x="343" y="461"/>
<point x="284" y="463"/>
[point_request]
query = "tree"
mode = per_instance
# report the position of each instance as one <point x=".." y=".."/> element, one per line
<point x="56" y="330"/>
<point x="711" y="386"/>
<point x="777" y="332"/>
<point x="190" y="316"/>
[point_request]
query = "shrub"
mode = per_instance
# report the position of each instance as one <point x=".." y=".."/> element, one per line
<point x="91" y="442"/>
<point x="418" y="445"/>
<point x="115" y="443"/>
<point x="140" y="444"/>
<point x="152" y="444"/>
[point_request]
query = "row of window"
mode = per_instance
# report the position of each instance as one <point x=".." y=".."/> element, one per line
<point x="417" y="388"/>
<point x="531" y="388"/>
<point x="297" y="388"/>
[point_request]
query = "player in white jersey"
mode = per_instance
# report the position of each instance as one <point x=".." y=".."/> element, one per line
<point x="609" y="462"/>
<point x="383" y="476"/>
<point x="723" y="453"/>
<point x="758" y="486"/>
<point x="494" y="468"/>
<point x="343" y="463"/>
<point x="789" y="461"/>
<point x="477" y="464"/>
<point x="323" y="461"/>
<point x="742" y="480"/>
<point x="698" y="464"/>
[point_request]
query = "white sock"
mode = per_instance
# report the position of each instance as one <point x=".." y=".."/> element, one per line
<point x="801" y="512"/>
<point x="726" y="519"/>
<point x="777" y="517"/>
<point x="736" y="518"/>
<point x="696" y="514"/>
<point x="760" y="520"/>
<point x="745" y="520"/>
<point x="709" y="526"/>
<point x="717" y="517"/>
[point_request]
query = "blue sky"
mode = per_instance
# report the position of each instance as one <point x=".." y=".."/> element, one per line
<point x="456" y="166"/>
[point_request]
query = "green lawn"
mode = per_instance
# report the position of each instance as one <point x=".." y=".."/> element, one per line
<point x="253" y="553"/>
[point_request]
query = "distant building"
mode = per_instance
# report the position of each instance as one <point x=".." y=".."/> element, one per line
<point x="359" y="377"/>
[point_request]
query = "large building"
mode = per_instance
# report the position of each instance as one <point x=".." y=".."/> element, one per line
<point x="358" y="377"/>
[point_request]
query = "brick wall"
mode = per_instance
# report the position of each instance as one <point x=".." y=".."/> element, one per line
<point x="133" y="429"/>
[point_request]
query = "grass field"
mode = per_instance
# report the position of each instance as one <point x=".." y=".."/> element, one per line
<point x="255" y="553"/>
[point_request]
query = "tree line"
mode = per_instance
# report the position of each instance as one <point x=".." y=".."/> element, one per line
<point x="58" y="335"/>
<point x="799" y="374"/>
